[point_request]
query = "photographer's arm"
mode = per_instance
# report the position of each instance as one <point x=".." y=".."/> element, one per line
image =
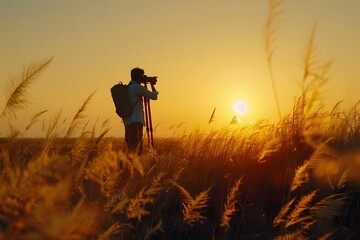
<point x="142" y="91"/>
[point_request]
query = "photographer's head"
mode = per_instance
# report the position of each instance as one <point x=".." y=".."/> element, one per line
<point x="137" y="75"/>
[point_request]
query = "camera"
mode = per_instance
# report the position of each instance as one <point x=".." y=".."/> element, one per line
<point x="151" y="80"/>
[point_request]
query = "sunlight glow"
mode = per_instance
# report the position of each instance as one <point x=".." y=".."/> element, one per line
<point x="240" y="108"/>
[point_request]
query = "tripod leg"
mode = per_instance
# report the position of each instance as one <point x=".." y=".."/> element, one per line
<point x="150" y="125"/>
<point x="146" y="119"/>
<point x="149" y="129"/>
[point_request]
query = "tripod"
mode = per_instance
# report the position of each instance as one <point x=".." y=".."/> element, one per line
<point x="148" y="120"/>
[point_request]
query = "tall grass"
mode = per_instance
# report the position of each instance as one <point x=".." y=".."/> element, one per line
<point x="270" y="30"/>
<point x="88" y="189"/>
<point x="17" y="88"/>
<point x="295" y="179"/>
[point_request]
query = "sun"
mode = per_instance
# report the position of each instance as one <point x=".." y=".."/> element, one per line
<point x="240" y="108"/>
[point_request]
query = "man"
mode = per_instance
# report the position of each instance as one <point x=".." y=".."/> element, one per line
<point x="135" y="123"/>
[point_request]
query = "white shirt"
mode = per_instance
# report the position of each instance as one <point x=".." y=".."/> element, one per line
<point x="136" y="92"/>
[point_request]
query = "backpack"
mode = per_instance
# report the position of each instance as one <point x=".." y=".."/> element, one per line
<point x="119" y="93"/>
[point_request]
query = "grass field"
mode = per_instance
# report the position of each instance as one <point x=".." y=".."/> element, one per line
<point x="298" y="178"/>
<point x="261" y="181"/>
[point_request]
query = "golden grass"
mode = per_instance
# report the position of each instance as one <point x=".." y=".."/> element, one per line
<point x="299" y="177"/>
<point x="193" y="208"/>
<point x="230" y="205"/>
<point x="113" y="195"/>
<point x="17" y="89"/>
<point x="270" y="30"/>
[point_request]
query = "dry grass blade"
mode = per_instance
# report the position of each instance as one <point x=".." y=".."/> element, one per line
<point x="102" y="135"/>
<point x="314" y="75"/>
<point x="280" y="218"/>
<point x="153" y="230"/>
<point x="271" y="26"/>
<point x="51" y="129"/>
<point x="186" y="195"/>
<point x="212" y="117"/>
<point x="155" y="185"/>
<point x="193" y="207"/>
<point x="309" y="56"/>
<point x="271" y="148"/>
<point x="269" y="32"/>
<point x="136" y="208"/>
<point x="193" y="210"/>
<point x="297" y="215"/>
<point x="137" y="164"/>
<point x="330" y="207"/>
<point x="301" y="176"/>
<point x="229" y="206"/>
<point x="35" y="119"/>
<point x="18" y="88"/>
<point x="79" y="115"/>
<point x="234" y="120"/>
<point x="343" y="179"/>
<point x="120" y="207"/>
<point x="290" y="236"/>
<point x="113" y="229"/>
<point x="327" y="236"/>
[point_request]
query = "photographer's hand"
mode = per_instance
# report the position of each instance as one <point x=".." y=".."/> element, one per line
<point x="153" y="81"/>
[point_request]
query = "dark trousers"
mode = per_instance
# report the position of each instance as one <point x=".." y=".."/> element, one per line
<point x="133" y="137"/>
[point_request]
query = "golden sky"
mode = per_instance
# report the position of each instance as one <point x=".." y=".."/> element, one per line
<point x="206" y="54"/>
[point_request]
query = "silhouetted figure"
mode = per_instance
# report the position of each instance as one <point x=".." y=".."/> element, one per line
<point x="135" y="123"/>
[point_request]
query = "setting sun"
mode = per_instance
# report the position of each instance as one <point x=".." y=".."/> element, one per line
<point x="240" y="108"/>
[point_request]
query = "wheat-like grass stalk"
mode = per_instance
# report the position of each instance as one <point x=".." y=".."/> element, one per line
<point x="155" y="185"/>
<point x="193" y="207"/>
<point x="309" y="65"/>
<point x="35" y="119"/>
<point x="230" y="205"/>
<point x="18" y="88"/>
<point x="136" y="208"/>
<point x="301" y="176"/>
<point x="14" y="132"/>
<point x="105" y="129"/>
<point x="118" y="204"/>
<point x="137" y="165"/>
<point x="281" y="217"/>
<point x="270" y="34"/>
<point x="352" y="123"/>
<point x="314" y="74"/>
<point x="51" y="129"/>
<point x="177" y="174"/>
<point x="297" y="215"/>
<point x="343" y="179"/>
<point x="85" y="132"/>
<point x="79" y="116"/>
<point x="271" y="148"/>
<point x="104" y="170"/>
<point x="193" y="210"/>
<point x="113" y="229"/>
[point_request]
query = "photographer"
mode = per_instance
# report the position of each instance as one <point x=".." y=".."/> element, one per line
<point x="135" y="123"/>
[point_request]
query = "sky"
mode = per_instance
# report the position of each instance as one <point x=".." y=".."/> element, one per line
<point x="206" y="53"/>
